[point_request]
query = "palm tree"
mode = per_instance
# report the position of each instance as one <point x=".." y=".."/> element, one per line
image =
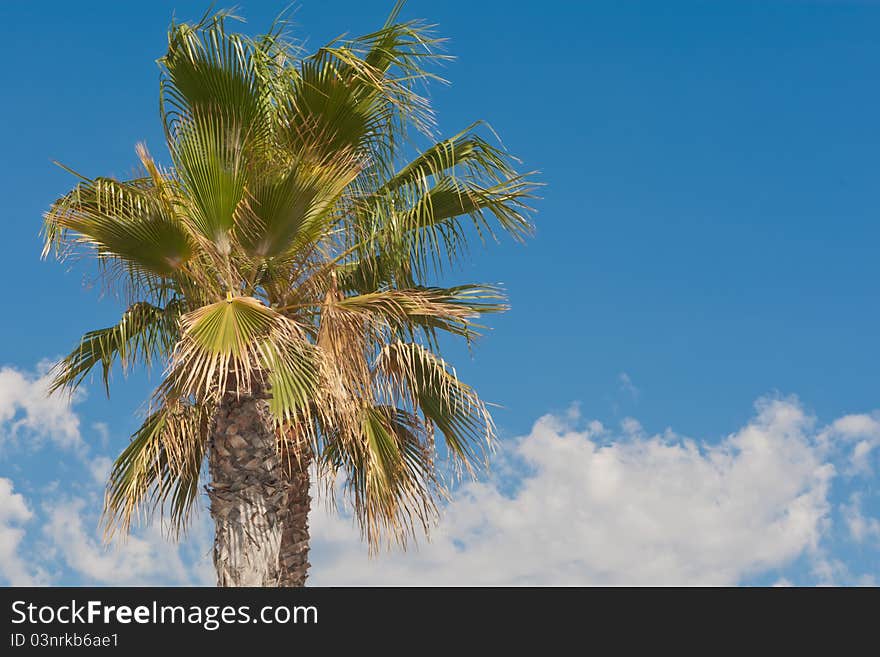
<point x="281" y="271"/>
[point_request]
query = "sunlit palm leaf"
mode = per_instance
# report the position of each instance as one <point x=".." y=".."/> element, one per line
<point x="442" y="398"/>
<point x="451" y="198"/>
<point x="390" y="474"/>
<point x="234" y="345"/>
<point x="447" y="309"/>
<point x="121" y="220"/>
<point x="144" y="332"/>
<point x="160" y="467"/>
<point x="209" y="71"/>
<point x="285" y="212"/>
<point x="210" y="159"/>
<point x="466" y="152"/>
<point x="418" y="221"/>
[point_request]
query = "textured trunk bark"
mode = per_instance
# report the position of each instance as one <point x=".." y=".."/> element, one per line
<point x="259" y="499"/>
<point x="293" y="554"/>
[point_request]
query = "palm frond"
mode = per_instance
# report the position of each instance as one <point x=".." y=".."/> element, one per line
<point x="448" y="309"/>
<point x="390" y="477"/>
<point x="209" y="156"/>
<point x="160" y="467"/>
<point x="121" y="220"/>
<point x="422" y="223"/>
<point x="210" y="71"/>
<point x="450" y="198"/>
<point x="285" y="212"/>
<point x="414" y="373"/>
<point x="465" y="152"/>
<point x="239" y="346"/>
<point x="144" y="332"/>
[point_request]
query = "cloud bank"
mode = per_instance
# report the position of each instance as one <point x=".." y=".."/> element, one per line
<point x="571" y="503"/>
<point x="605" y="508"/>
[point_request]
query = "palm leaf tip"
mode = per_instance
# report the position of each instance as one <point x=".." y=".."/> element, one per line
<point x="144" y="332"/>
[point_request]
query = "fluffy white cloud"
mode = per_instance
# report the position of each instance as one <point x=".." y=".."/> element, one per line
<point x="861" y="528"/>
<point x="145" y="558"/>
<point x="598" y="508"/>
<point x="29" y="417"/>
<point x="70" y="542"/>
<point x="100" y="467"/>
<point x="26" y="406"/>
<point x="863" y="433"/>
<point x="576" y="504"/>
<point x="14" y="511"/>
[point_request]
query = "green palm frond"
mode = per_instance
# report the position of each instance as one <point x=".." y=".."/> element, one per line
<point x="415" y="373"/>
<point x="160" y="467"/>
<point x="231" y="346"/>
<point x="403" y="45"/>
<point x="466" y="153"/>
<point x="431" y="308"/>
<point x="121" y="220"/>
<point x="418" y="219"/>
<point x="285" y="212"/>
<point x="145" y="332"/>
<point x="209" y="157"/>
<point x="210" y="71"/>
<point x="390" y="474"/>
<point x="450" y="198"/>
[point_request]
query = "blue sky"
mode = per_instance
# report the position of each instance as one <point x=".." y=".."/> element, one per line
<point x="707" y="239"/>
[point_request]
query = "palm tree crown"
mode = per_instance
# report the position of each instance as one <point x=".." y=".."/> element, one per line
<point x="288" y="253"/>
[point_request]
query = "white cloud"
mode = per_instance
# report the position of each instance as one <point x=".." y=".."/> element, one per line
<point x="864" y="431"/>
<point x="26" y="406"/>
<point x="631" y="426"/>
<point x="589" y="506"/>
<point x="70" y="543"/>
<point x="14" y="511"/>
<point x="103" y="432"/>
<point x="629" y="509"/>
<point x="860" y="527"/>
<point x="29" y="416"/>
<point x="830" y="571"/>
<point x="100" y="467"/>
<point x="626" y="385"/>
<point x="145" y="558"/>
<point x="70" y="536"/>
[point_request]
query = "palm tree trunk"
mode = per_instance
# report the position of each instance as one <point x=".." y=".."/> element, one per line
<point x="259" y="500"/>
